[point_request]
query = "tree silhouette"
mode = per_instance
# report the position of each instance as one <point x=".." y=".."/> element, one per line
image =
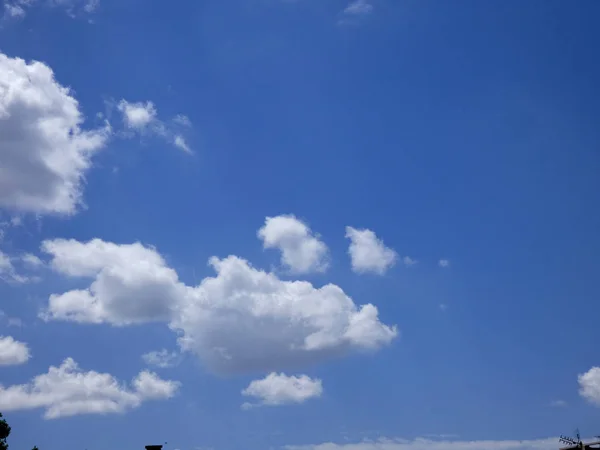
<point x="4" y="433"/>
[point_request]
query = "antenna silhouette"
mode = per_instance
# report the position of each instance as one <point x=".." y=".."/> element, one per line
<point x="577" y="444"/>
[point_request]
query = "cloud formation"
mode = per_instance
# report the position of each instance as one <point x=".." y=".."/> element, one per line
<point x="358" y="8"/>
<point x="131" y="283"/>
<point x="279" y="389"/>
<point x="354" y="12"/>
<point x="137" y="115"/>
<point x="161" y="358"/>
<point x="429" y="444"/>
<point x="44" y="152"/>
<point x="243" y="319"/>
<point x="8" y="271"/>
<point x="13" y="353"/>
<point x="68" y="391"/>
<point x="589" y="385"/>
<point x="18" y="8"/>
<point x="142" y="118"/>
<point x="301" y="250"/>
<point x="368" y="253"/>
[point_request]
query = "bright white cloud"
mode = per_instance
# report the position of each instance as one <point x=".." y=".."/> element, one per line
<point x="13" y="353"/>
<point x="131" y="283"/>
<point x="301" y="250"/>
<point x="444" y="263"/>
<point x="589" y="385"/>
<point x="162" y="358"/>
<point x="429" y="444"/>
<point x="68" y="391"/>
<point x="279" y="389"/>
<point x="246" y="319"/>
<point x="137" y="115"/>
<point x="368" y="253"/>
<point x="242" y="319"/>
<point x="44" y="152"/>
<point x="142" y="118"/>
<point x="179" y="142"/>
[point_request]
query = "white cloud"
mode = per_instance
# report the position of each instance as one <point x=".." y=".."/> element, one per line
<point x="180" y="143"/>
<point x="31" y="260"/>
<point x="5" y="262"/>
<point x="243" y="319"/>
<point x="142" y="118"/>
<point x="132" y="283"/>
<point x="137" y="115"/>
<point x="408" y="261"/>
<point x="14" y="10"/>
<point x="355" y="11"/>
<point x="301" y="250"/>
<point x="10" y="321"/>
<point x="246" y="319"/>
<point x="280" y="389"/>
<point x="359" y="8"/>
<point x="8" y="273"/>
<point x="444" y="263"/>
<point x="368" y="253"/>
<point x="13" y="353"/>
<point x="68" y="391"/>
<point x="589" y="385"/>
<point x="182" y="120"/>
<point x="44" y="153"/>
<point x="17" y="8"/>
<point x="162" y="358"/>
<point x="443" y="306"/>
<point x="429" y="444"/>
<point x="558" y="403"/>
<point x="14" y="322"/>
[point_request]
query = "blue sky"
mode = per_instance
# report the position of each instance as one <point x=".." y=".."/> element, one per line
<point x="435" y="161"/>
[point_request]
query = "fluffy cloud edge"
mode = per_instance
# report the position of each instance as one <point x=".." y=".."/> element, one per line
<point x="43" y="169"/>
<point x="278" y="389"/>
<point x="280" y="323"/>
<point x="142" y="118"/>
<point x="67" y="391"/>
<point x="13" y="352"/>
<point x="302" y="250"/>
<point x="368" y="253"/>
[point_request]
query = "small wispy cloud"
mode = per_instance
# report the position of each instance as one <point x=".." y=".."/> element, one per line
<point x="444" y="263"/>
<point x="10" y="321"/>
<point x="10" y="274"/>
<point x="141" y="118"/>
<point x="162" y="359"/>
<point x="356" y="10"/>
<point x="558" y="403"/>
<point x="408" y="261"/>
<point x="17" y="9"/>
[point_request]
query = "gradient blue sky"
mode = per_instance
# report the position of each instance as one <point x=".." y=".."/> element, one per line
<point x="463" y="130"/>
